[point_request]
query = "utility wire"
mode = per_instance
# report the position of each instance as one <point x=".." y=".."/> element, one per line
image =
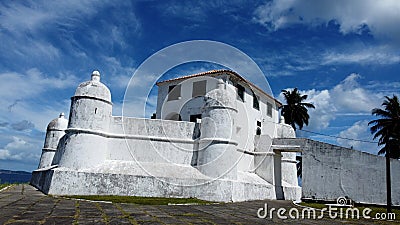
<point x="333" y="136"/>
<point x="350" y="139"/>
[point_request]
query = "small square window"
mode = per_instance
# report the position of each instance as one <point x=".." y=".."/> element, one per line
<point x="240" y="92"/>
<point x="174" y="92"/>
<point x="199" y="88"/>
<point x="269" y="109"/>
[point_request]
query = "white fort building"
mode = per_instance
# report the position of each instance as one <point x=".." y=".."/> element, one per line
<point x="212" y="137"/>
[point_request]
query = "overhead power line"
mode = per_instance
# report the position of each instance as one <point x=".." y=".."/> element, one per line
<point x="350" y="139"/>
<point x="333" y="136"/>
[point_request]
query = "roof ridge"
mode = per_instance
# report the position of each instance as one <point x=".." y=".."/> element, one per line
<point x="216" y="72"/>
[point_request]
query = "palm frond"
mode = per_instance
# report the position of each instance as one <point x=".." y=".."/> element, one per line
<point x="387" y="128"/>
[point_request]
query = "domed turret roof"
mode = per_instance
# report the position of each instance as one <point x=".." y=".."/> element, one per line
<point x="59" y="123"/>
<point x="94" y="88"/>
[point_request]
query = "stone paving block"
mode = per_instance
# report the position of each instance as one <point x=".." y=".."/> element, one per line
<point x="59" y="220"/>
<point x="66" y="202"/>
<point x="93" y="214"/>
<point x="149" y="222"/>
<point x="171" y="220"/>
<point x="90" y="221"/>
<point x="32" y="215"/>
<point x="24" y="222"/>
<point x="4" y="219"/>
<point x="142" y="217"/>
<point x="118" y="220"/>
<point x="112" y="211"/>
<point x="57" y="212"/>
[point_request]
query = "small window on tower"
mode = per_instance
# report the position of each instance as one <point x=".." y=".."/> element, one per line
<point x="95" y="111"/>
<point x="199" y="88"/>
<point x="174" y="92"/>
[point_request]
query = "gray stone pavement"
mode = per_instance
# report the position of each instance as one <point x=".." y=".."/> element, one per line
<point x="23" y="204"/>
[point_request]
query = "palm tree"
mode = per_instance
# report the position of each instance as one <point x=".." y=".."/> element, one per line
<point x="295" y="111"/>
<point x="387" y="129"/>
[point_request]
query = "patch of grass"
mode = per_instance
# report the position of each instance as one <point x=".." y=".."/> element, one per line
<point x="140" y="200"/>
<point x="313" y="205"/>
<point x="4" y="185"/>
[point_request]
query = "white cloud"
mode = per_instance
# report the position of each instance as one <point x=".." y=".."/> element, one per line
<point x="381" y="17"/>
<point x="21" y="95"/>
<point x="324" y="110"/>
<point x="29" y="16"/>
<point x="119" y="74"/>
<point x="40" y="116"/>
<point x="14" y="86"/>
<point x="21" y="150"/>
<point x="198" y="11"/>
<point x="25" y="26"/>
<point x="381" y="55"/>
<point x="344" y="99"/>
<point x="349" y="96"/>
<point x="358" y="131"/>
<point x="22" y="125"/>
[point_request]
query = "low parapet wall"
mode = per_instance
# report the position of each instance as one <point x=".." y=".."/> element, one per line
<point x="331" y="171"/>
<point x="152" y="127"/>
<point x="152" y="140"/>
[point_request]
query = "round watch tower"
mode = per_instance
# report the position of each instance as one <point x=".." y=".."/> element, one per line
<point x="217" y="154"/>
<point x="55" y="130"/>
<point x="90" y="115"/>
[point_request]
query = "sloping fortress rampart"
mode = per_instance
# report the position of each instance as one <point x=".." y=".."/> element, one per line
<point x="211" y="139"/>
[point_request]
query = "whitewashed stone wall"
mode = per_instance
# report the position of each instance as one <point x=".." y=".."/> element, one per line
<point x="151" y="140"/>
<point x="331" y="171"/>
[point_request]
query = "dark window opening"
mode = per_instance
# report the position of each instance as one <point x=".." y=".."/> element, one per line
<point x="240" y="92"/>
<point x="256" y="103"/>
<point x="193" y="118"/>
<point x="269" y="109"/>
<point x="174" y="116"/>
<point x="95" y="111"/>
<point x="258" y="131"/>
<point x="199" y="88"/>
<point x="153" y="116"/>
<point x="258" y="123"/>
<point x="174" y="92"/>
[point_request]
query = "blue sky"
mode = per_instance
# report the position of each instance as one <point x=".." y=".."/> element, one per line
<point x="344" y="54"/>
